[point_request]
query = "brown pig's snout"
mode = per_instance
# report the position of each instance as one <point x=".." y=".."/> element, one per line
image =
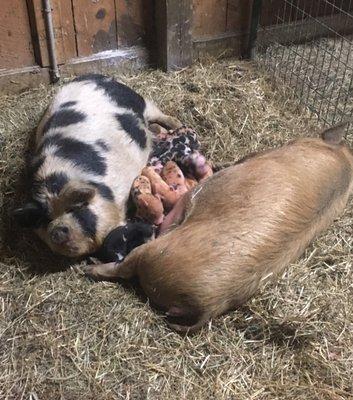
<point x="60" y="234"/>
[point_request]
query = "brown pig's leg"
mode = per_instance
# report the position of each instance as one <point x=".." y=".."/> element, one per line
<point x="103" y="272"/>
<point x="177" y="215"/>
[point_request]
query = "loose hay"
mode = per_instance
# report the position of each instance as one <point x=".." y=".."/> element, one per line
<point x="63" y="337"/>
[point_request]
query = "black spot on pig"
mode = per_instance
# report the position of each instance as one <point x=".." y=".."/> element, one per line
<point x="87" y="220"/>
<point x="131" y="125"/>
<point x="118" y="92"/>
<point x="101" y="143"/>
<point x="103" y="190"/>
<point x="63" y="118"/>
<point x="68" y="104"/>
<point x="101" y="13"/>
<point x="49" y="141"/>
<point x="55" y="182"/>
<point x="81" y="154"/>
<point x="34" y="166"/>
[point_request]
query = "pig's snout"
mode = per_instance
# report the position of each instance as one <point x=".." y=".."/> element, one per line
<point x="60" y="234"/>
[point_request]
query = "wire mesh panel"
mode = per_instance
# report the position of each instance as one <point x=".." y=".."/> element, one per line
<point x="308" y="44"/>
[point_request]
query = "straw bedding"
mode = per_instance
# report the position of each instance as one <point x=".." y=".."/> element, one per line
<point x="64" y="337"/>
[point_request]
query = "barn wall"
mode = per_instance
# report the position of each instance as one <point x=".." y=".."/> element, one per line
<point x="84" y="28"/>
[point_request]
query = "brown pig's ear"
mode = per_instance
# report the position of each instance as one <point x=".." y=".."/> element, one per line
<point x="335" y="134"/>
<point x="77" y="194"/>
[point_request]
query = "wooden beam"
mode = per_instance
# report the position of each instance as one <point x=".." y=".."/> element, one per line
<point x="174" y="37"/>
<point x="64" y="32"/>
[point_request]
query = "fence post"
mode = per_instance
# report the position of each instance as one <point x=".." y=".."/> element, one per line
<point x="254" y="24"/>
<point x="173" y="28"/>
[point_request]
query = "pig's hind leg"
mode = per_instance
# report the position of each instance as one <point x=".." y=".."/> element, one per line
<point x="154" y="115"/>
<point x="111" y="271"/>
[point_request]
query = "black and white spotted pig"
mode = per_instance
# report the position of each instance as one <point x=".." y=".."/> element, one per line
<point x="90" y="145"/>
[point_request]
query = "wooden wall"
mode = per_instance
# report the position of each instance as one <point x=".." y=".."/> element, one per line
<point x="87" y="27"/>
<point x="82" y="28"/>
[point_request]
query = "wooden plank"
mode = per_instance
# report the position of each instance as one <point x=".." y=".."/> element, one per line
<point x="174" y="38"/>
<point x="135" y="22"/>
<point x="14" y="81"/>
<point x="65" y="44"/>
<point x="16" y="48"/>
<point x="238" y="16"/>
<point x="95" y="25"/>
<point x="20" y="79"/>
<point x="303" y="31"/>
<point x="221" y="46"/>
<point x="276" y="11"/>
<point x="210" y="17"/>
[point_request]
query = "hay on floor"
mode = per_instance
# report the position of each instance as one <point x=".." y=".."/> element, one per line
<point x="64" y="337"/>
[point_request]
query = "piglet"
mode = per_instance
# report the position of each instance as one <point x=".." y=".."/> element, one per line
<point x="149" y="207"/>
<point x="167" y="194"/>
<point x="197" y="166"/>
<point x="123" y="239"/>
<point x="174" y="177"/>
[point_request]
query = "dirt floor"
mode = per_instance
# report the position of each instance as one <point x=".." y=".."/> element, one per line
<point x="64" y="337"/>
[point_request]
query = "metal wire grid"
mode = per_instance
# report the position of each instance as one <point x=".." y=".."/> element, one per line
<point x="308" y="50"/>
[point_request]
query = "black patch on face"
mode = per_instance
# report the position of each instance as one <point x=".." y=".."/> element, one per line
<point x="55" y="182"/>
<point x="79" y="153"/>
<point x="63" y="118"/>
<point x="87" y="220"/>
<point x="118" y="92"/>
<point x="68" y="104"/>
<point x="101" y="143"/>
<point x="103" y="190"/>
<point x="131" y="125"/>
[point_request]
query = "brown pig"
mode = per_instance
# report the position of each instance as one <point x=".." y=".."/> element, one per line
<point x="239" y="227"/>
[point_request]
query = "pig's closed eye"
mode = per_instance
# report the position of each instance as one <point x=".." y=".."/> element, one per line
<point x="76" y="207"/>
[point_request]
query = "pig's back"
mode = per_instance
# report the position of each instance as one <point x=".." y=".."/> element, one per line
<point x="103" y="119"/>
<point x="249" y="221"/>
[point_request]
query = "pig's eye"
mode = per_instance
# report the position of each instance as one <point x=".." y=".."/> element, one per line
<point x="78" y="206"/>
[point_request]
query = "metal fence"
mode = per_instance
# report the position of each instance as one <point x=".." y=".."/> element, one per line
<point x="308" y="45"/>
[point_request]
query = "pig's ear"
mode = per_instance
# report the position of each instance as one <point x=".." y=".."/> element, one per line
<point x="335" y="134"/>
<point x="29" y="216"/>
<point x="76" y="194"/>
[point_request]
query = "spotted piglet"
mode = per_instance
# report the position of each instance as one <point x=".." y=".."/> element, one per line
<point x="90" y="145"/>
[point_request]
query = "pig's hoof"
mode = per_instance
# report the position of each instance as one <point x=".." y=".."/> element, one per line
<point x="173" y="123"/>
<point x="91" y="272"/>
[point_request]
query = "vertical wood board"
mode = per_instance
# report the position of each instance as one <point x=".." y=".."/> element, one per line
<point x="174" y="37"/>
<point x="135" y="21"/>
<point x="16" y="48"/>
<point x="65" y="44"/>
<point x="95" y="26"/>
<point x="210" y="17"/>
